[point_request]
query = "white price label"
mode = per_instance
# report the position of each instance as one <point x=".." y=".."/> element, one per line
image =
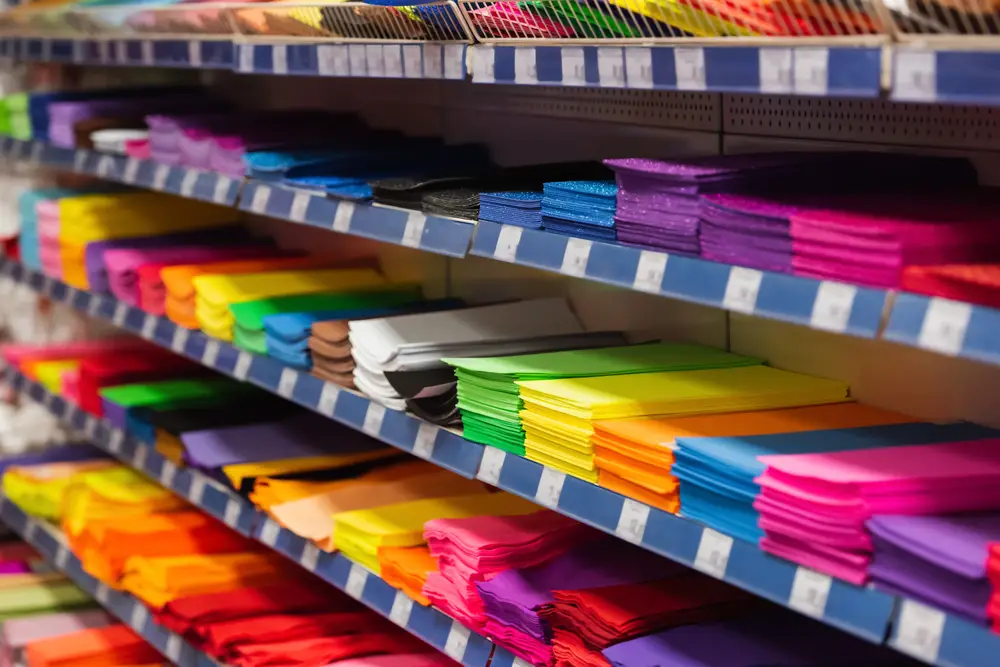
<point x="30" y="528"/>
<point x="139" y="457"/>
<point x="423" y="446"/>
<point x="160" y="176"/>
<point x="342" y="217"/>
<point x="915" y="76"/>
<point x="242" y="367"/>
<point x="149" y="326"/>
<point x="146" y="48"/>
<point x="649" y="271"/>
<point x="689" y="65"/>
<point x="433" y="61"/>
<point x="356" y="580"/>
<point x="79" y="160"/>
<point x="713" y="553"/>
<point x="328" y="399"/>
<point x="811" y="71"/>
<point x="392" y="56"/>
<point x="574" y="68"/>
<point x="121" y="311"/>
<point x="944" y="326"/>
<point x="62" y="558"/>
<point x="173" y="649"/>
<point x="413" y="233"/>
<point x="168" y="472"/>
<point x="491" y="465"/>
<point x="402" y="608"/>
<point x="300" y="204"/>
<point x="374" y="417"/>
<point x="919" y="630"/>
<point x="131" y="172"/>
<point x="179" y="341"/>
<point x="122" y="52"/>
<point x="104" y="52"/>
<point x="375" y="60"/>
<point x="279" y="59"/>
<point x="413" y="61"/>
<point x="102" y="593"/>
<point x="550" y="488"/>
<point x="196" y="492"/>
<point x="246" y="57"/>
<point x="454" y="61"/>
<point x="269" y="533"/>
<point x="116" y="440"/>
<point x="832" y="307"/>
<point x="575" y="257"/>
<point x="211" y="353"/>
<point x="458" y="640"/>
<point x="139" y="617"/>
<point x="742" y="289"/>
<point x="483" y="64"/>
<point x="94" y="307"/>
<point x="286" y="383"/>
<point x="310" y="557"/>
<point x="220" y="195"/>
<point x="632" y="521"/>
<point x="358" y="59"/>
<point x="188" y="183"/>
<point x="90" y="429"/>
<point x="639" y="67"/>
<point x="810" y="591"/>
<point x="194" y="54"/>
<point x="507" y="242"/>
<point x="231" y="516"/>
<point x="261" y="196"/>
<point x="775" y="70"/>
<point x="333" y="60"/>
<point x="525" y="69"/>
<point x="611" y="67"/>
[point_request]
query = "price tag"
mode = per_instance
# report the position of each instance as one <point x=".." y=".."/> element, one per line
<point x="160" y="176"/>
<point x="121" y="311"/>
<point x="611" y="67"/>
<point x="414" y="231"/>
<point x="713" y="553"/>
<point x="575" y="257"/>
<point x="328" y="399"/>
<point x="358" y="59"/>
<point x="811" y="71"/>
<point x="649" y="271"/>
<point x="300" y="203"/>
<point x="79" y="160"/>
<point x="632" y="521"/>
<point x="168" y="472"/>
<point x="131" y="172"/>
<point x="242" y="368"/>
<point x="374" y="417"/>
<point x="279" y="59"/>
<point x="310" y="557"/>
<point x="915" y="76"/>
<point x="30" y="528"/>
<point x="333" y="60"/>
<point x="525" y="70"/>
<point x="491" y="465"/>
<point x="507" y="242"/>
<point x="374" y="59"/>
<point x="689" y="64"/>
<point x="104" y="52"/>
<point x="211" y="353"/>
<point x="342" y="218"/>
<point x="261" y="196"/>
<point x="423" y="446"/>
<point x="102" y="593"/>
<point x="188" y="183"/>
<point x="221" y="193"/>
<point x="413" y="61"/>
<point x="392" y="56"/>
<point x="483" y="60"/>
<point x="286" y="383"/>
<point x="810" y="591"/>
<point x="139" y="457"/>
<point x="173" y="649"/>
<point x="356" y="580"/>
<point x="179" y="342"/>
<point x="149" y="326"/>
<point x="36" y="154"/>
<point x="231" y="516"/>
<point x="196" y="492"/>
<point x="402" y="608"/>
<point x="433" y="61"/>
<point x="832" y="307"/>
<point x="246" y="57"/>
<point x="194" y="54"/>
<point x="269" y="533"/>
<point x="775" y="70"/>
<point x="146" y="49"/>
<point x="639" y="67"/>
<point x="139" y="617"/>
<point x="944" y="326"/>
<point x="741" y="290"/>
<point x="458" y="639"/>
<point x="454" y="61"/>
<point x="62" y="558"/>
<point x="115" y="441"/>
<point x="919" y="630"/>
<point x="550" y="488"/>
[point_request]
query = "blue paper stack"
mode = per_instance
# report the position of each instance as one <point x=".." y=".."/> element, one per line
<point x="523" y="209"/>
<point x="580" y="208"/>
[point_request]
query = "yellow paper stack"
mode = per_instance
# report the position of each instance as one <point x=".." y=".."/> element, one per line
<point x="558" y="415"/>
<point x="40" y="489"/>
<point x="113" y="492"/>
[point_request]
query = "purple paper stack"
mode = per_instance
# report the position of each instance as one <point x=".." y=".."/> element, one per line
<point x="747" y="230"/>
<point x="63" y="116"/>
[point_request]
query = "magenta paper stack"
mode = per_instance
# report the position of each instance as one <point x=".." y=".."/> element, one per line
<point x="870" y="240"/>
<point x="473" y="550"/>
<point x="813" y="507"/>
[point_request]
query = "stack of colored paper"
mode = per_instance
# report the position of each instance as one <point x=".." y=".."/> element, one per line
<point x="113" y="492"/>
<point x="407" y="568"/>
<point x="109" y="645"/>
<point x="39" y="489"/>
<point x="939" y="560"/>
<point x="558" y="415"/>
<point x="487" y="387"/>
<point x="580" y="208"/>
<point x="523" y="209"/>
<point x="18" y="632"/>
<point x="813" y="507"/>
<point x="974" y="283"/>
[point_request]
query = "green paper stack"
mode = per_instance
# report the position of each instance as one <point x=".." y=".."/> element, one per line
<point x="248" y="332"/>
<point x="488" y="395"/>
<point x="42" y="598"/>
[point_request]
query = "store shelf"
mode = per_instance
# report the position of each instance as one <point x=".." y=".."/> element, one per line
<point x="960" y="77"/>
<point x="431" y="625"/>
<point x="948" y="327"/>
<point x="50" y="544"/>
<point x="195" y="53"/>
<point x="375" y="59"/>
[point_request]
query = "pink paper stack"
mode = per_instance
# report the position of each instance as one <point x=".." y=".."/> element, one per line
<point x="477" y="549"/>
<point x="813" y="507"/>
<point x="48" y="237"/>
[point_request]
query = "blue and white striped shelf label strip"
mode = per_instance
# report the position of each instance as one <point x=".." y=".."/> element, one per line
<point x="936" y="638"/>
<point x="377" y="60"/>
<point x="432" y="443"/>
<point x="202" y="54"/>
<point x="440" y="631"/>
<point x="948" y="327"/>
<point x="819" y="304"/>
<point x="966" y="77"/>
<point x="860" y="611"/>
<point x="126" y="607"/>
<point x="802" y="70"/>
<point x="413" y="229"/>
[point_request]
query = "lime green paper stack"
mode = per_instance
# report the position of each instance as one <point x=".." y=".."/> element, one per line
<point x="248" y="331"/>
<point x="488" y="394"/>
<point x="42" y="597"/>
